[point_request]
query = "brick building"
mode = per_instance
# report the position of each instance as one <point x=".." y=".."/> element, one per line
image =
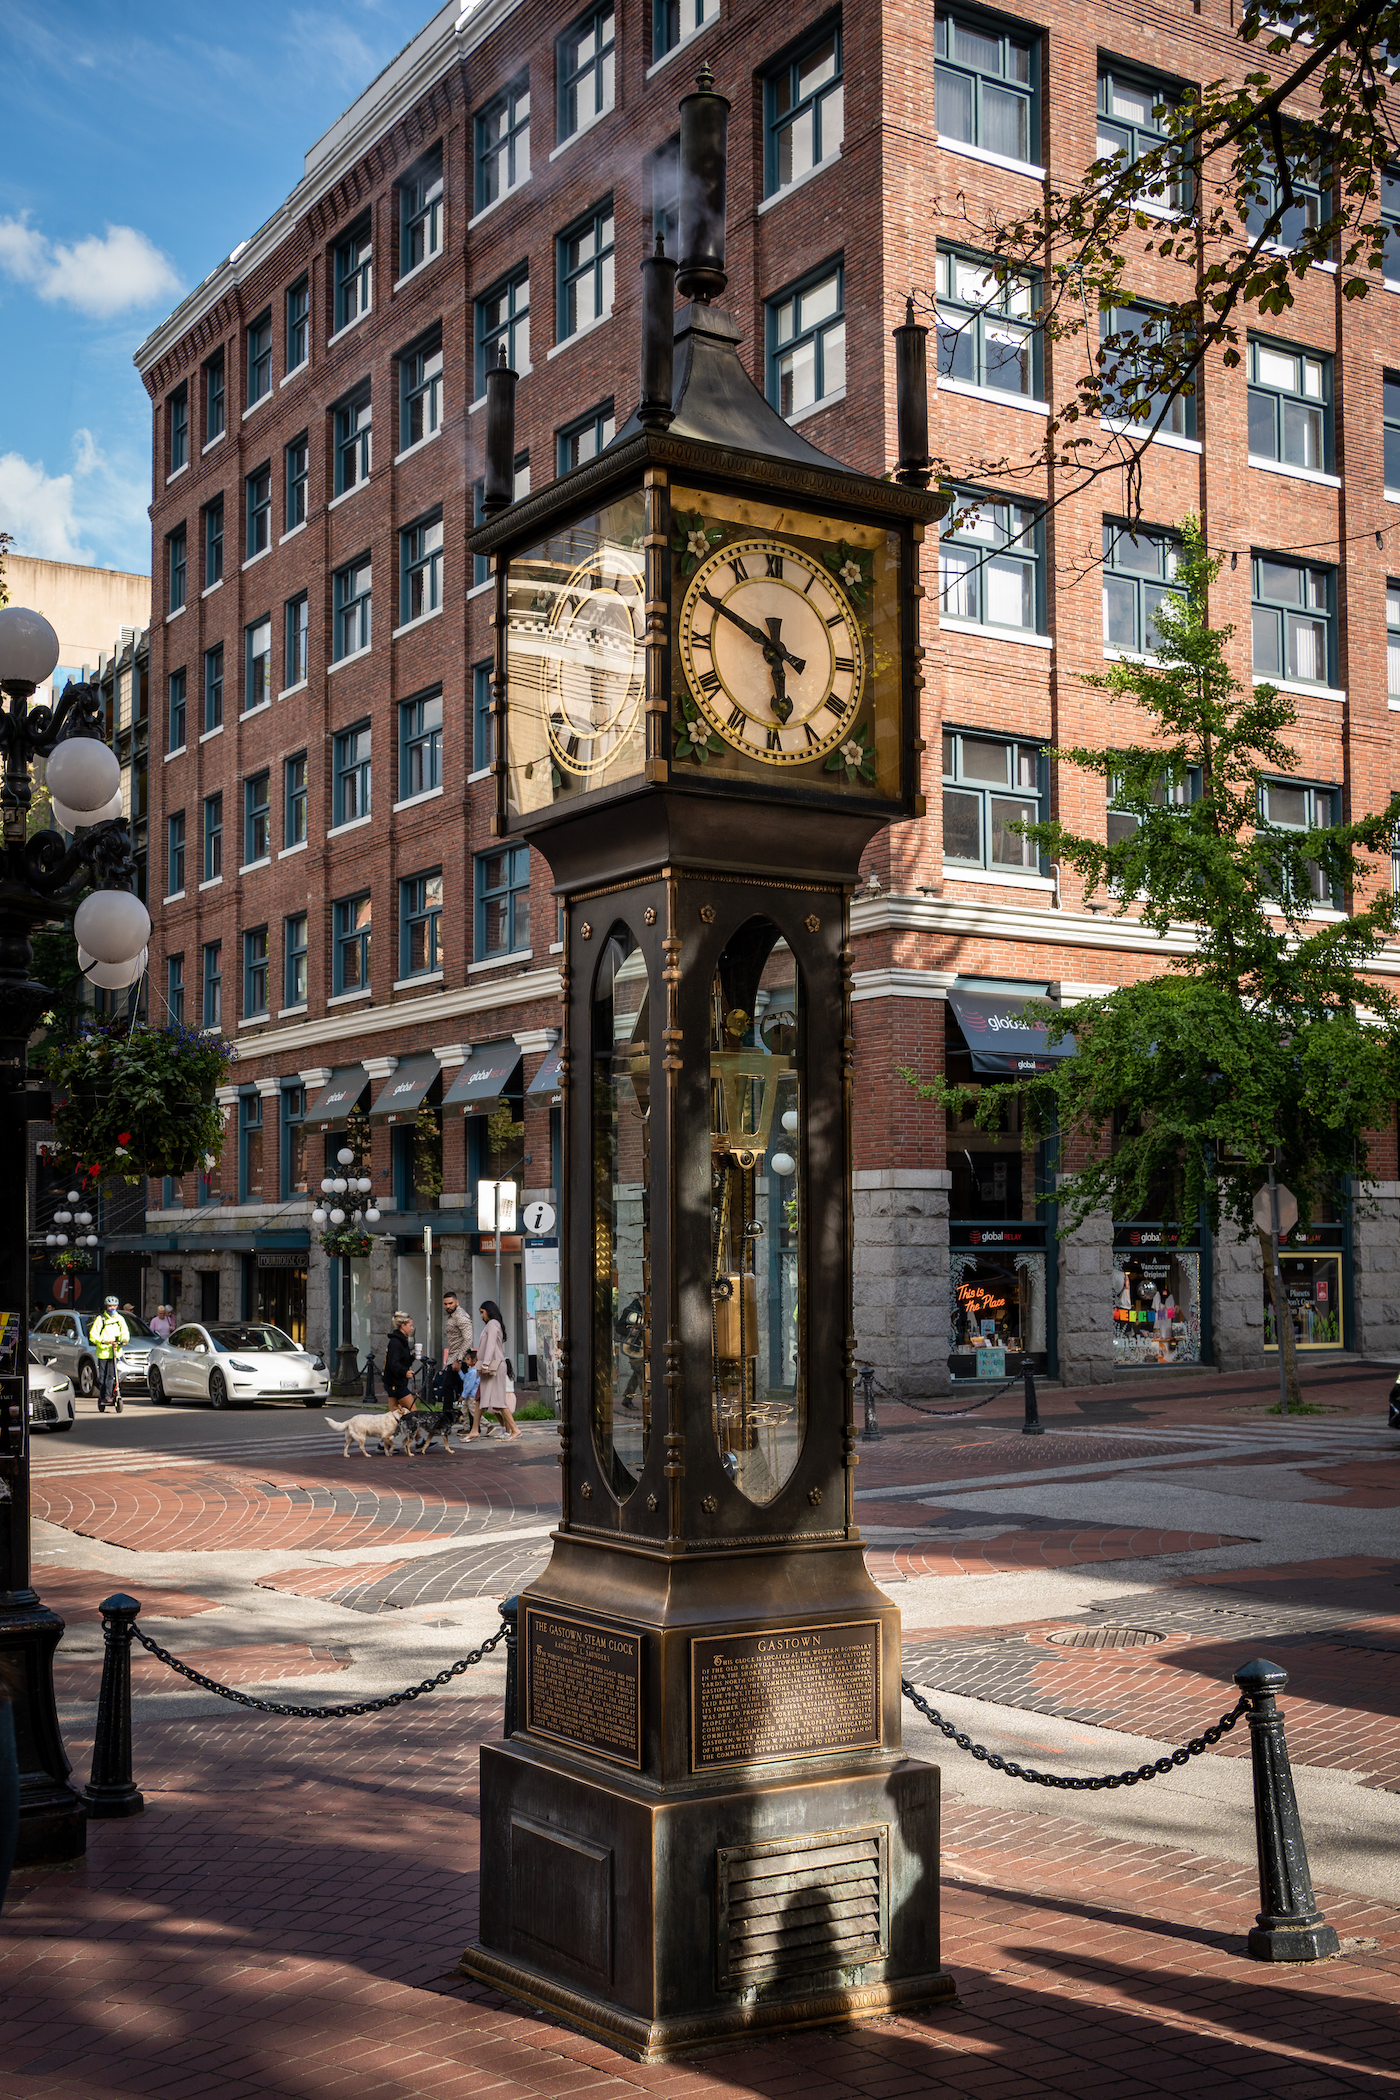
<point x="318" y="804"/>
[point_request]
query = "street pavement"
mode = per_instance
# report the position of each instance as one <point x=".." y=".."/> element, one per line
<point x="285" y="1917"/>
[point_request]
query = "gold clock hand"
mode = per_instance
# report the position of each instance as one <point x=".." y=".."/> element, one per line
<point x="756" y="634"/>
<point x="784" y="654"/>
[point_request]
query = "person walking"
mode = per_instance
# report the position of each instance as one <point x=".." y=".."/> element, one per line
<point x="456" y="1349"/>
<point x="109" y="1335"/>
<point x="495" y="1394"/>
<point x="398" y="1357"/>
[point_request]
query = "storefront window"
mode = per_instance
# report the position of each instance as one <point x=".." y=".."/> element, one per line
<point x="993" y="1174"/>
<point x="757" y="1154"/>
<point x="621" y="1096"/>
<point x="1156" y="1310"/>
<point x="997" y="1311"/>
<point x="1312" y="1289"/>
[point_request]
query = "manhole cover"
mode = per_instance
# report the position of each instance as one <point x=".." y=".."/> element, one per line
<point x="1105" y="1637"/>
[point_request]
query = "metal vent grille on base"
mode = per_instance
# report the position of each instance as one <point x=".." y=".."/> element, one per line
<point x="798" y="1906"/>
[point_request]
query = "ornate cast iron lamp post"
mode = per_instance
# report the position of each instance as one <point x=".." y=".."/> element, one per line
<point x="41" y="877"/>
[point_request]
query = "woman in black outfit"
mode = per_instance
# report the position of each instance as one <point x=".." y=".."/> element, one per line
<point x="398" y="1357"/>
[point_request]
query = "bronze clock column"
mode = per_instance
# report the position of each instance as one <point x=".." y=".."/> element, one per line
<point x="705" y="705"/>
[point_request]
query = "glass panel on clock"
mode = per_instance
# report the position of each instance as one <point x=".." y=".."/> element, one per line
<point x="757" y="1170"/>
<point x="576" y="662"/>
<point x="621" y="1104"/>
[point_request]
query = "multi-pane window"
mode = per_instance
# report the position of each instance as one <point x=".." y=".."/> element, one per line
<point x="503" y="316"/>
<point x="294" y="800"/>
<point x="1390" y="398"/>
<point x="986" y="336"/>
<point x="213" y="543"/>
<point x="1130" y="338"/>
<point x="213" y="1003"/>
<point x="296" y="1162"/>
<point x="1392" y="641"/>
<point x="420" y="745"/>
<point x="586" y="271"/>
<point x="353" y="436"/>
<point x="585" y="56"/>
<point x="481" y="715"/>
<point x="257" y="663"/>
<point x="175" y="986"/>
<point x="420" y="213"/>
<point x="352" y="934"/>
<point x="1290" y="406"/>
<point x="298" y="473"/>
<point x="297" y="640"/>
<point x="214" y="403"/>
<point x="250" y="1108"/>
<point x="481" y="565"/>
<point x="989" y="557"/>
<point x="420" y="914"/>
<point x="175" y="740"/>
<point x="1139" y="567"/>
<point x="175" y="567"/>
<point x="1292" y="620"/>
<point x="175" y="854"/>
<point x="214" y="688"/>
<point x="354" y="274"/>
<point x="672" y="21"/>
<point x="213" y="837"/>
<point x="984" y="87"/>
<point x="807" y="342"/>
<point x="179" y="429"/>
<point x="1300" y="213"/>
<point x="352" y="608"/>
<point x="260" y="358"/>
<point x="420" y="569"/>
<point x="259" y="511"/>
<point x="254" y="979"/>
<point x="351" y="780"/>
<point x="989" y="784"/>
<point x="257" y="817"/>
<point x="503" y="143"/>
<point x="1289" y="805"/>
<point x="1167" y="793"/>
<point x="294" y="947"/>
<point x="1131" y="114"/>
<point x="420" y="392"/>
<point x="585" y="437"/>
<point x="666" y="194"/>
<point x="804" y="112"/>
<point x="503" y="901"/>
<point x="298" y="323"/>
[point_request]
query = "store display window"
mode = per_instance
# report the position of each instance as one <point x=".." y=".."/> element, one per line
<point x="1156" y="1311"/>
<point x="1312" y="1289"/>
<point x="997" y="1309"/>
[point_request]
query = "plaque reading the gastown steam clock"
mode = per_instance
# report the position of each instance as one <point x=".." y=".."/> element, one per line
<point x="583" y="1684"/>
<point x="792" y="1691"/>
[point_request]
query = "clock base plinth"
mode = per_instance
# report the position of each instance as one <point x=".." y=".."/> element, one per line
<point x="630" y="1913"/>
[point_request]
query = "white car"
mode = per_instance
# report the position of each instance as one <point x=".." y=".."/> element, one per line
<point x="50" y="1395"/>
<point x="234" y="1363"/>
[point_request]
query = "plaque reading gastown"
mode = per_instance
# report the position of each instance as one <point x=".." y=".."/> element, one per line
<point x="583" y="1684"/>
<point x="792" y="1691"/>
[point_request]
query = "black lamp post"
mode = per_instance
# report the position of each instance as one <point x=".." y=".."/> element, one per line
<point x="41" y="878"/>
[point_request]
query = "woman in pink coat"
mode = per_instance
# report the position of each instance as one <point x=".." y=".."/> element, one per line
<point x="494" y="1394"/>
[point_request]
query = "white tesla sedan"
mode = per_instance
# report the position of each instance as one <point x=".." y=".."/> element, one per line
<point x="234" y="1363"/>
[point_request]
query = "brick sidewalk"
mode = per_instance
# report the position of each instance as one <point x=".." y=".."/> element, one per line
<point x="283" y="1923"/>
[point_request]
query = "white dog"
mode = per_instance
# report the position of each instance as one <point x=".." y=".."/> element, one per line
<point x="386" y="1427"/>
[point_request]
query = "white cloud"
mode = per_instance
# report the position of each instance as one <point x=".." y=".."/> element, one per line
<point x="37" y="508"/>
<point x="96" y="513"/>
<point x="103" y="274"/>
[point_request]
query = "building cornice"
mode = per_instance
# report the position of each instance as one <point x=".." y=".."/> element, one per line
<point x="455" y="32"/>
<point x="404" y="1014"/>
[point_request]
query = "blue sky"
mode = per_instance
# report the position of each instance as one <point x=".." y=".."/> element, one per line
<point x="144" y="141"/>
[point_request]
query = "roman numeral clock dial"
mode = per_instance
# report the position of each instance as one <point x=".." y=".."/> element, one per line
<point x="772" y="651"/>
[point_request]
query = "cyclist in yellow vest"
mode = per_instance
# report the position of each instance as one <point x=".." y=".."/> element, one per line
<point x="109" y="1335"/>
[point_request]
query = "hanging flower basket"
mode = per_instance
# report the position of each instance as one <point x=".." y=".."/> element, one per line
<point x="137" y="1101"/>
<point x="71" y="1259"/>
<point x="348" y="1242"/>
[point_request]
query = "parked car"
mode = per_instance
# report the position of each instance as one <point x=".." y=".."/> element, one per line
<point x="235" y="1362"/>
<point x="50" y="1395"/>
<point x="61" y="1339"/>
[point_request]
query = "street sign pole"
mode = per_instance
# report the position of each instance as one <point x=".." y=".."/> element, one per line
<point x="1280" y="1309"/>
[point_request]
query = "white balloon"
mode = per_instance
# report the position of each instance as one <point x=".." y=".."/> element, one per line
<point x="114" y="977"/>
<point x="112" y="925"/>
<point x="783" y="1164"/>
<point x="28" y="645"/>
<point x="83" y="775"/>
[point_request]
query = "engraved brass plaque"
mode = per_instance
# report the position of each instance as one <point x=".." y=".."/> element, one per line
<point x="790" y="1691"/>
<point x="583" y="1684"/>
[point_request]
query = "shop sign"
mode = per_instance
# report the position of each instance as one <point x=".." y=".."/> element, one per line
<point x="1156" y="1235"/>
<point x="997" y="1235"/>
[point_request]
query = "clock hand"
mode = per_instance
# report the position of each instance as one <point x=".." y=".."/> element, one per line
<point x="756" y="634"/>
<point x="782" y="706"/>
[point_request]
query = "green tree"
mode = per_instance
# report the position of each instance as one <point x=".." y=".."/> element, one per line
<point x="1265" y="1040"/>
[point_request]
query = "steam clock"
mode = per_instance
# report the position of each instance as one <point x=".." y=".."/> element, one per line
<point x="705" y="704"/>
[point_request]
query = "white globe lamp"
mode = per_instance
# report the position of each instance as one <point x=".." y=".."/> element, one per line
<point x="114" y="977"/>
<point x="345" y="1156"/>
<point x="83" y="776"/>
<point x="112" y="925"/>
<point x="28" y="646"/>
<point x="337" y="1216"/>
<point x="783" y="1164"/>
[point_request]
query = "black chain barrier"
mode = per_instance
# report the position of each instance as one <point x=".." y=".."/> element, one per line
<point x="1163" y="1765"/>
<point x="320" y="1713"/>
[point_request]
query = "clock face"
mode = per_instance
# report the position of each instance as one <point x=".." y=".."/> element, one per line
<point x="594" y="663"/>
<point x="772" y="651"/>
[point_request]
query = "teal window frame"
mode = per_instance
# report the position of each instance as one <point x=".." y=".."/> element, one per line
<point x="255" y="969"/>
<point x="585" y="437"/>
<point x="176" y="717"/>
<point x="257" y="817"/>
<point x="1311" y="188"/>
<point x="971" y="791"/>
<point x="981" y="320"/>
<point x="257" y="663"/>
<point x="298" y="317"/>
<point x="176" y="567"/>
<point x="503" y="316"/>
<point x="295" y="950"/>
<point x="420" y="391"/>
<point x="481" y="715"/>
<point x="983" y="75"/>
<point x="1004" y="546"/>
<point x="296" y="478"/>
<point x="585" y="257"/>
<point x="214" y="688"/>
<point x="213" y="542"/>
<point x="354" y="274"/>
<point x="502" y="892"/>
<point x="1139" y="565"/>
<point x="250" y="1120"/>
<point x="212" y="985"/>
<point x="420" y="568"/>
<point x="502" y="132"/>
<point x="175" y="987"/>
<point x="675" y="22"/>
<point x="175" y="853"/>
<point x="291" y="1101"/>
<point x="215" y="398"/>
<point x="352" y="776"/>
<point x="179" y="408"/>
<point x="420" y="924"/>
<point x="804" y="108"/>
<point x="1321" y="806"/>
<point x="1123" y="330"/>
<point x="259" y="510"/>
<point x="1392" y="638"/>
<point x="354" y="607"/>
<point x="294" y="786"/>
<point x="1290" y="424"/>
<point x="586" y="69"/>
<point x="353" y="918"/>
<point x="213" y="835"/>
<point x="296" y="641"/>
<point x="1313" y="605"/>
<point x="1169" y="792"/>
<point x="1123" y="130"/>
<point x="354" y="440"/>
<point x="420" y="744"/>
<point x="791" y="331"/>
<point x="422" y="209"/>
<point x="481" y="563"/>
<point x="260" y="358"/>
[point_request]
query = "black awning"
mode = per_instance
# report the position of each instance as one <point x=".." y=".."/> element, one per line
<point x="485" y="1075"/>
<point x="405" y="1090"/>
<point x="1001" y="1039"/>
<point x="337" y="1097"/>
<point x="546" y="1080"/>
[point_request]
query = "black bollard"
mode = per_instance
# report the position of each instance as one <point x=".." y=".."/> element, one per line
<point x="369" y="1393"/>
<point x="1290" y="1927"/>
<point x="510" y="1612"/>
<point x="872" y="1433"/>
<point x="111" y="1791"/>
<point x="1033" y="1426"/>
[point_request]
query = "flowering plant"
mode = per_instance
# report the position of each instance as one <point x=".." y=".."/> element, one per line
<point x="71" y="1258"/>
<point x="136" y="1101"/>
<point x="694" y="736"/>
<point x="853" y="570"/>
<point x="692" y="539"/>
<point x="856" y="755"/>
<point x="348" y="1241"/>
